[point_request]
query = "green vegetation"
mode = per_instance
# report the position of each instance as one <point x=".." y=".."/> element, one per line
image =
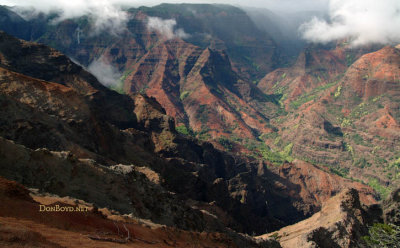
<point x="338" y="91"/>
<point x="203" y="135"/>
<point x="202" y="114"/>
<point x="184" y="95"/>
<point x="361" y="163"/>
<point x="280" y="93"/>
<point x="335" y="110"/>
<point x="361" y="110"/>
<point x="287" y="151"/>
<point x="395" y="168"/>
<point x="166" y="138"/>
<point x="275" y="236"/>
<point x="277" y="158"/>
<point x="343" y="172"/>
<point x="184" y="130"/>
<point x="226" y="143"/>
<point x="375" y="99"/>
<point x="301" y="100"/>
<point x="382" y="190"/>
<point x="271" y="98"/>
<point x="358" y="139"/>
<point x="260" y="149"/>
<point x="279" y="90"/>
<point x="119" y="87"/>
<point x="345" y="122"/>
<point x="383" y="236"/>
<point x="313" y="161"/>
<point x="349" y="148"/>
<point x="349" y="59"/>
<point x="266" y="136"/>
<point x="395" y="164"/>
<point x="380" y="161"/>
<point x="143" y="90"/>
<point x="311" y="95"/>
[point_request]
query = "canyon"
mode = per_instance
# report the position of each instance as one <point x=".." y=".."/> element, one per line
<point x="209" y="133"/>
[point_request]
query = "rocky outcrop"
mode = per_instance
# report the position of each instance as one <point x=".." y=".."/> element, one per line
<point x="374" y="74"/>
<point x="23" y="224"/>
<point x="341" y="222"/>
<point x="122" y="188"/>
<point x="315" y="187"/>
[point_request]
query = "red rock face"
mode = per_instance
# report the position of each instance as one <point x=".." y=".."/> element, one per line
<point x="374" y="74"/>
<point x="198" y="88"/>
<point x="316" y="186"/>
<point x="315" y="67"/>
<point x="349" y="123"/>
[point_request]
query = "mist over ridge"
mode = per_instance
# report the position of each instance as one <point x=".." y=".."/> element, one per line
<point x="362" y="22"/>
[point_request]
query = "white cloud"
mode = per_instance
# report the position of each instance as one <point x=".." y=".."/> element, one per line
<point x="165" y="28"/>
<point x="362" y="21"/>
<point x="104" y="72"/>
<point x="107" y="14"/>
<point x="78" y="7"/>
<point x="181" y="33"/>
<point x="110" y="18"/>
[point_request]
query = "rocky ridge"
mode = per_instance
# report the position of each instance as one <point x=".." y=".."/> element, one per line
<point x="342" y="222"/>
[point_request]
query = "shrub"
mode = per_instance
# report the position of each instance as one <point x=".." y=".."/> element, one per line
<point x="226" y="143"/>
<point x="383" y="236"/>
<point x="382" y="190"/>
<point x="361" y="163"/>
<point x="184" y="95"/>
<point x="183" y="130"/>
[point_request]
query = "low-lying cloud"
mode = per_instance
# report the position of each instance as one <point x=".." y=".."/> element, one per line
<point x="106" y="14"/>
<point x="165" y="27"/>
<point x="110" y="18"/>
<point x="76" y="6"/>
<point x="104" y="72"/>
<point x="361" y="21"/>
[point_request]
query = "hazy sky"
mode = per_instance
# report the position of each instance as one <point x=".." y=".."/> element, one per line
<point x="364" y="21"/>
<point x="81" y="4"/>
